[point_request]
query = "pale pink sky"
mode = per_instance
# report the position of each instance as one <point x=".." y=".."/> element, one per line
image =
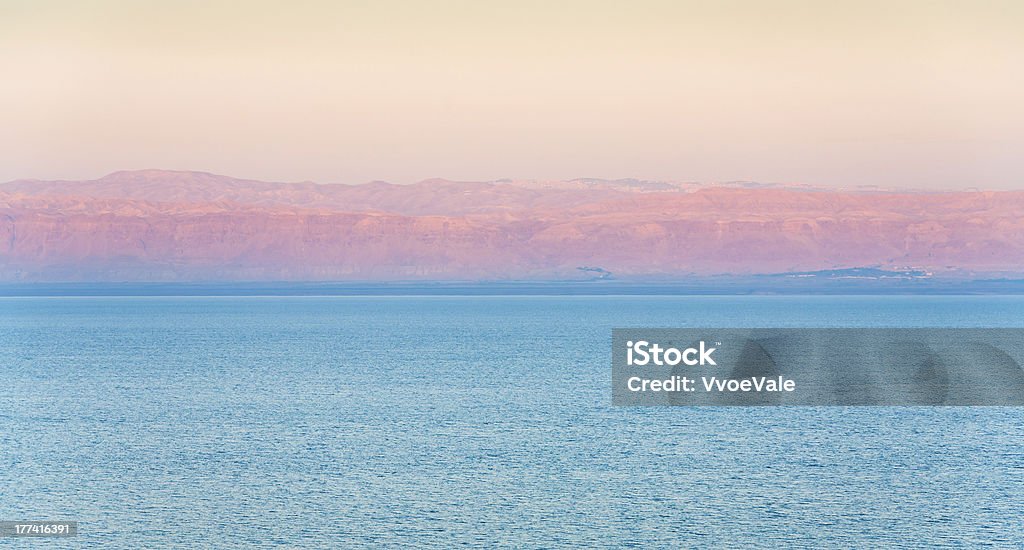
<point x="923" y="94"/>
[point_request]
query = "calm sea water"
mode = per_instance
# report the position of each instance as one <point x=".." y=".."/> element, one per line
<point x="336" y="421"/>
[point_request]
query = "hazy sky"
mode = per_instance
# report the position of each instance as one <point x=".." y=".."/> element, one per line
<point x="886" y="93"/>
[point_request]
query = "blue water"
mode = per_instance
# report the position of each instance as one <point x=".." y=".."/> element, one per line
<point x="338" y="421"/>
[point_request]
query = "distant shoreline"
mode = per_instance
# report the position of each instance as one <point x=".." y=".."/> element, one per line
<point x="738" y="286"/>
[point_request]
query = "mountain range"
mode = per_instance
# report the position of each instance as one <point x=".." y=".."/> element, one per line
<point x="158" y="225"/>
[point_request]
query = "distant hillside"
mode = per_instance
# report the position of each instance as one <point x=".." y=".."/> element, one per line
<point x="157" y="225"/>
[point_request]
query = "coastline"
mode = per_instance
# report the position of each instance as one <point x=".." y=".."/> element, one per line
<point x="730" y="286"/>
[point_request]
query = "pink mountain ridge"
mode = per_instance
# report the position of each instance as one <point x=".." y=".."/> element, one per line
<point x="154" y="225"/>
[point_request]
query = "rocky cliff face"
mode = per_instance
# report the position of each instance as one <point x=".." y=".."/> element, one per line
<point x="175" y="226"/>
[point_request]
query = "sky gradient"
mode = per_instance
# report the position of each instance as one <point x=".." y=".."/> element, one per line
<point x="908" y="94"/>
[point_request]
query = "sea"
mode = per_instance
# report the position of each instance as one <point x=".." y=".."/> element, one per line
<point x="469" y="420"/>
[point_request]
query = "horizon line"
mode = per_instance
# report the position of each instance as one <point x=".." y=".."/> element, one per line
<point x="748" y="183"/>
